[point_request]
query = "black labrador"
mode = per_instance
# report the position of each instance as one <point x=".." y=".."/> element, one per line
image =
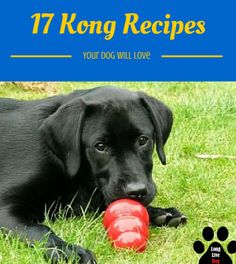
<point x="91" y="146"/>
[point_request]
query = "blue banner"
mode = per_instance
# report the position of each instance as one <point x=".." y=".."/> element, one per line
<point x="151" y="40"/>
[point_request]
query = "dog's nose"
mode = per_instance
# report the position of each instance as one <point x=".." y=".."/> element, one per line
<point x="136" y="190"/>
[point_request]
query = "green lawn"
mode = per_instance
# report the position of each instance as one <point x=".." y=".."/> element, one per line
<point x="204" y="189"/>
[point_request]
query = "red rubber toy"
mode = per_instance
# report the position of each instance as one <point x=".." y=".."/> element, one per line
<point x="127" y="224"/>
<point x="125" y="207"/>
<point x="131" y="240"/>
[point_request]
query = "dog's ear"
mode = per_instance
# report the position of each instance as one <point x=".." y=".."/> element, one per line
<point x="162" y="119"/>
<point x="62" y="132"/>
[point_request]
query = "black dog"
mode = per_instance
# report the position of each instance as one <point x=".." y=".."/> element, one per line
<point x="92" y="146"/>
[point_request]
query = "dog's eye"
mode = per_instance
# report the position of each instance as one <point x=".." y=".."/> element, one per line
<point x="100" y="146"/>
<point x="142" y="140"/>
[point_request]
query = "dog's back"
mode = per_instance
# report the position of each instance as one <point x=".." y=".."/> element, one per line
<point x="7" y="104"/>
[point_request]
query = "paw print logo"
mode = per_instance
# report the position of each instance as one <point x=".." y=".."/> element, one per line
<point x="215" y="253"/>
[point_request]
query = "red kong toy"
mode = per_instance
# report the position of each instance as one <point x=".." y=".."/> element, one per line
<point x="127" y="223"/>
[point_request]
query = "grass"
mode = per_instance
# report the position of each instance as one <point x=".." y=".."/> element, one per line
<point x="204" y="189"/>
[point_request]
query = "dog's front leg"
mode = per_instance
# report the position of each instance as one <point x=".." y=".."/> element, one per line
<point x="56" y="248"/>
<point x="166" y="216"/>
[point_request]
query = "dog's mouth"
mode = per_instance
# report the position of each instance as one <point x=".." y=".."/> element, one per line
<point x="145" y="201"/>
<point x="113" y="194"/>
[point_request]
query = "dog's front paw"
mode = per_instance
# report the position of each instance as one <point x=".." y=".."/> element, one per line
<point x="166" y="216"/>
<point x="74" y="253"/>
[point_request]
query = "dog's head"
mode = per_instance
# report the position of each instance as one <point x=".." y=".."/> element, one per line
<point x="114" y="131"/>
